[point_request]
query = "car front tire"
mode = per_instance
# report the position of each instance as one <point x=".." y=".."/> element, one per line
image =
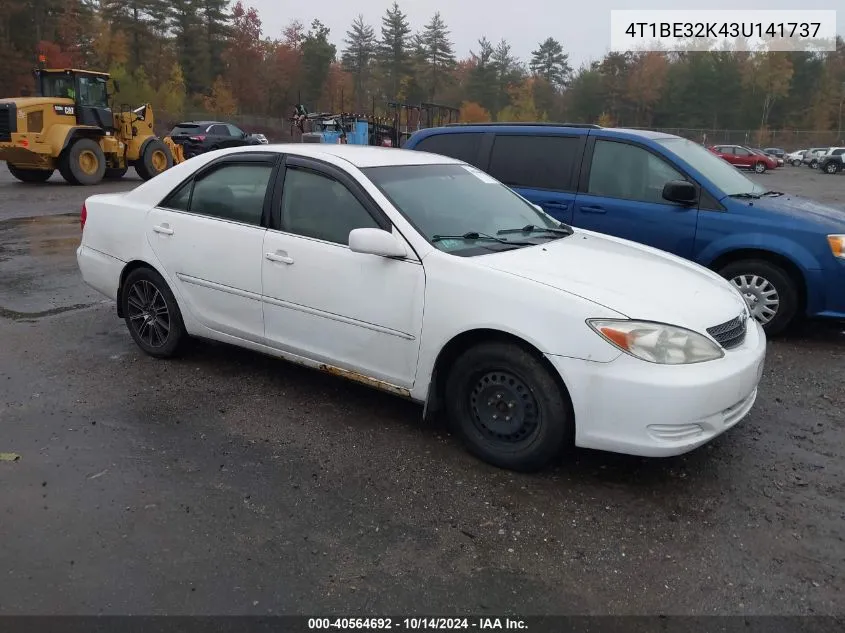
<point x="152" y="314"/>
<point x="507" y="407"/>
<point x="770" y="292"/>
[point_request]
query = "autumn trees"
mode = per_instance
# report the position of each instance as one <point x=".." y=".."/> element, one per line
<point x="215" y="57"/>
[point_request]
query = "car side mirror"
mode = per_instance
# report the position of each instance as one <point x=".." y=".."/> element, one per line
<point x="538" y="207"/>
<point x="680" y="191"/>
<point x="376" y="242"/>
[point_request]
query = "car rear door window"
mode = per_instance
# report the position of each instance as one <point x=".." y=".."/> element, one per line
<point x="628" y="172"/>
<point x="219" y="130"/>
<point x="314" y="205"/>
<point x="232" y="192"/>
<point x="535" y="162"/>
<point x="463" y="146"/>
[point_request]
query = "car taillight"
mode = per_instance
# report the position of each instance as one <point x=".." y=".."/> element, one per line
<point x="83" y="215"/>
<point x="200" y="138"/>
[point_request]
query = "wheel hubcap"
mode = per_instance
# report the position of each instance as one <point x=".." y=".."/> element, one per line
<point x="760" y="295"/>
<point x="503" y="407"/>
<point x="159" y="160"/>
<point x="148" y="313"/>
<point x="760" y="167"/>
<point x="88" y="162"/>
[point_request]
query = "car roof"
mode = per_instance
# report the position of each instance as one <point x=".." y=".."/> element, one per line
<point x="538" y="128"/>
<point x="360" y="156"/>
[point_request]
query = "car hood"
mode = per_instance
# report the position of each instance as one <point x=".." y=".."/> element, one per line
<point x="800" y="208"/>
<point x="636" y="281"/>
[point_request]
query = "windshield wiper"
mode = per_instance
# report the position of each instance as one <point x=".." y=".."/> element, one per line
<point x="754" y="196"/>
<point x="563" y="229"/>
<point x="475" y="235"/>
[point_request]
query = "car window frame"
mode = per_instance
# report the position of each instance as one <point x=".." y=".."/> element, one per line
<point x="482" y="154"/>
<point x="272" y="159"/>
<point x="707" y="201"/>
<point x="574" y="168"/>
<point x="329" y="170"/>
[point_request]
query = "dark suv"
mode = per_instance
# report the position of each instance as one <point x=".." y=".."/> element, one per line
<point x="197" y="137"/>
<point x="832" y="162"/>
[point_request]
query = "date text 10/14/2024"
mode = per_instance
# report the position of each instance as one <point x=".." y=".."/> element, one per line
<point x="419" y="623"/>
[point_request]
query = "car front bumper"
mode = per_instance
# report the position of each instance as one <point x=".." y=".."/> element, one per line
<point x="640" y="408"/>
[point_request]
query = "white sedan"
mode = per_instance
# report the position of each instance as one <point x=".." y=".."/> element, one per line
<point x="422" y="276"/>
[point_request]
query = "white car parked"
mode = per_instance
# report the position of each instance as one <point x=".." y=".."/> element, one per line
<point x="422" y="276"/>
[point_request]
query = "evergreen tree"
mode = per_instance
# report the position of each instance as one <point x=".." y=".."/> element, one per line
<point x="358" y="57"/>
<point x="482" y="79"/>
<point x="317" y="56"/>
<point x="550" y="63"/>
<point x="438" y="53"/>
<point x="393" y="54"/>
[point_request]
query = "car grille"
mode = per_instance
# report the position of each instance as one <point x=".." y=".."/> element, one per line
<point x="731" y="333"/>
<point x="6" y="119"/>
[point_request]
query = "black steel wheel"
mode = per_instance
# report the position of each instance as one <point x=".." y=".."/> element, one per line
<point x="507" y="407"/>
<point x="152" y="314"/>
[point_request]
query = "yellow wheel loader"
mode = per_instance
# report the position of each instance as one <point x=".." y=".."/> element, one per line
<point x="70" y="126"/>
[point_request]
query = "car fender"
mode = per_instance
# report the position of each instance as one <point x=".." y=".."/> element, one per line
<point x="789" y="249"/>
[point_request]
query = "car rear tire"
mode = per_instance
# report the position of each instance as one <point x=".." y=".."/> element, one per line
<point x="507" y="407"/>
<point x="83" y="163"/>
<point x="156" y="159"/>
<point x="796" y="163"/>
<point x="831" y="168"/>
<point x="152" y="314"/>
<point x="116" y="173"/>
<point x="770" y="292"/>
<point x="814" y="164"/>
<point x="760" y="168"/>
<point x="30" y="175"/>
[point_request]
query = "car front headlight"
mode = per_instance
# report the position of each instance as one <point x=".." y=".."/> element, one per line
<point x="657" y="342"/>
<point x="837" y="245"/>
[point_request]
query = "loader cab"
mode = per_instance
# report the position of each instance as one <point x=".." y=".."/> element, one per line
<point x="88" y="90"/>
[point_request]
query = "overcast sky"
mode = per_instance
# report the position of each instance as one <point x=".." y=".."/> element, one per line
<point x="582" y="26"/>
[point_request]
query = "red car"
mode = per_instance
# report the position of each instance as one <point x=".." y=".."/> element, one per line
<point x="744" y="157"/>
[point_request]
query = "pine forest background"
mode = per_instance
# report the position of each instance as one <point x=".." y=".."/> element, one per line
<point x="211" y="58"/>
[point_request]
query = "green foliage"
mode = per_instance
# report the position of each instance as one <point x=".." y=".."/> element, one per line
<point x="317" y="56"/>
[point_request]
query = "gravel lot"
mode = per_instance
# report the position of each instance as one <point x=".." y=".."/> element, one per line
<point x="230" y="483"/>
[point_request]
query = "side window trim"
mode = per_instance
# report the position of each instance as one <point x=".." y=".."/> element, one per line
<point x="572" y="185"/>
<point x="326" y="170"/>
<point x="272" y="159"/>
<point x="586" y="166"/>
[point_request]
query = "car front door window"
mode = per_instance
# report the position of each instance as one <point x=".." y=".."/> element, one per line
<point x="628" y="172"/>
<point x="319" y="207"/>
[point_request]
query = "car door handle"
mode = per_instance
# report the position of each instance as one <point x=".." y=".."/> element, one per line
<point x="556" y="205"/>
<point x="592" y="209"/>
<point x="163" y="229"/>
<point x="279" y="257"/>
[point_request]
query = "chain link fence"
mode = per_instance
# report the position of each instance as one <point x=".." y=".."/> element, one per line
<point x="789" y="140"/>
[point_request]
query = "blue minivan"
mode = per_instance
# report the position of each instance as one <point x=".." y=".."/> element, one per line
<point x="785" y="254"/>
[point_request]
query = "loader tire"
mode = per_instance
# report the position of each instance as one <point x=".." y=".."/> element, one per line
<point x="83" y="163"/>
<point x="30" y="175"/>
<point x="155" y="159"/>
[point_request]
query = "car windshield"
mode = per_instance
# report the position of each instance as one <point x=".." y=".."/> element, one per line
<point x="462" y="210"/>
<point x="715" y="168"/>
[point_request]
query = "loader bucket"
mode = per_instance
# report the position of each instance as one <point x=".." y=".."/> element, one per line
<point x="175" y="150"/>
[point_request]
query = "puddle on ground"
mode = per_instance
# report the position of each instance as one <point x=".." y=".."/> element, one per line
<point x="40" y="236"/>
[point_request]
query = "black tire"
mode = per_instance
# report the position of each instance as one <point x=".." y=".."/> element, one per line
<point x="814" y="164"/>
<point x="144" y="292"/>
<point x="504" y="379"/>
<point x="83" y="163"/>
<point x="30" y="175"/>
<point x="783" y="284"/>
<point x="796" y="163"/>
<point x="760" y="168"/>
<point x="155" y="159"/>
<point x="831" y="168"/>
<point x="116" y="173"/>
